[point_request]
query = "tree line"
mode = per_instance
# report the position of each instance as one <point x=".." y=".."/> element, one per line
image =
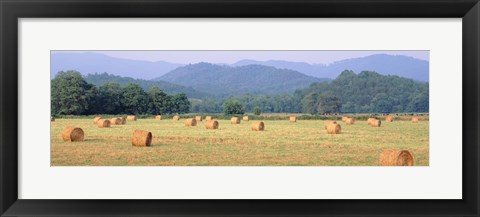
<point x="72" y="95"/>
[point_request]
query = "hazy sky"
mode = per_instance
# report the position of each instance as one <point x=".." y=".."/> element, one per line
<point x="185" y="57"/>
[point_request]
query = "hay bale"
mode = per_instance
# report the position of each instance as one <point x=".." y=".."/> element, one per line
<point x="376" y="123"/>
<point x="72" y="134"/>
<point x="293" y="119"/>
<point x="103" y="123"/>
<point x="116" y="121"/>
<point x="96" y="119"/>
<point x="124" y="120"/>
<point x="235" y="120"/>
<point x="396" y="157"/>
<point x="132" y="118"/>
<point x="208" y="118"/>
<point x="350" y="121"/>
<point x="212" y="124"/>
<point x="369" y="121"/>
<point x="389" y="119"/>
<point x="176" y="118"/>
<point x="245" y="118"/>
<point x="158" y="117"/>
<point x="198" y="118"/>
<point x="328" y="122"/>
<point x="334" y="129"/>
<point x="344" y="118"/>
<point x="141" y="138"/>
<point x="190" y="122"/>
<point x="258" y="126"/>
<point x="414" y="120"/>
<point x="52" y="119"/>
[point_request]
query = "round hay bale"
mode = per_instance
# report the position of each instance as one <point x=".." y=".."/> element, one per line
<point x="190" y="122"/>
<point x="103" y="123"/>
<point x="124" y="120"/>
<point x="132" y="118"/>
<point x="396" y="157"/>
<point x="158" y="117"/>
<point x="208" y="118"/>
<point x="389" y="119"/>
<point x="116" y="121"/>
<point x="344" y="118"/>
<point x="328" y="122"/>
<point x="293" y="119"/>
<point x="72" y="134"/>
<point x="213" y="124"/>
<point x="334" y="129"/>
<point x="52" y="119"/>
<point x="258" y="126"/>
<point x="141" y="138"/>
<point x="246" y="118"/>
<point x="235" y="120"/>
<point x="350" y="121"/>
<point x="198" y="118"/>
<point x="176" y="118"/>
<point x="414" y="120"/>
<point x="96" y="119"/>
<point x="376" y="123"/>
<point x="369" y="121"/>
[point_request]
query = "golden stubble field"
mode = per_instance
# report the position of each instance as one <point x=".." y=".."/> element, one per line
<point x="304" y="143"/>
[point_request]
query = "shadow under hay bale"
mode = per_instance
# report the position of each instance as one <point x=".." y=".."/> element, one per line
<point x="103" y="123"/>
<point x="396" y="157"/>
<point x="198" y="118"/>
<point x="334" y="129"/>
<point x="141" y="138"/>
<point x="131" y="118"/>
<point x="328" y="122"/>
<point x="158" y="117"/>
<point x="176" y="118"/>
<point x="190" y="122"/>
<point x="293" y="119"/>
<point x="376" y="123"/>
<point x="258" y="126"/>
<point x="72" y="134"/>
<point x="213" y="124"/>
<point x="116" y="121"/>
<point x="235" y="120"/>
<point x="96" y="119"/>
<point x="246" y="118"/>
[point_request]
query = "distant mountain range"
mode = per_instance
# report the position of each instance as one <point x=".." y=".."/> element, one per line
<point x="227" y="80"/>
<point x="89" y="63"/>
<point x="402" y="66"/>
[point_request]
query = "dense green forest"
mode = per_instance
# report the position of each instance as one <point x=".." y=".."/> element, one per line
<point x="72" y="95"/>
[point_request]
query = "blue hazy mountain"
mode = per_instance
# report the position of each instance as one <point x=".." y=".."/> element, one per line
<point x="384" y="64"/>
<point x="90" y="63"/>
<point x="222" y="80"/>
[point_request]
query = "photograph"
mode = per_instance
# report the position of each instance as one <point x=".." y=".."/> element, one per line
<point x="239" y="107"/>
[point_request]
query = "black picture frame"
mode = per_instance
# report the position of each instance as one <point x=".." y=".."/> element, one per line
<point x="12" y="10"/>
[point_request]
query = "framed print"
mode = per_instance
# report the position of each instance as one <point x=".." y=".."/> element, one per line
<point x="320" y="108"/>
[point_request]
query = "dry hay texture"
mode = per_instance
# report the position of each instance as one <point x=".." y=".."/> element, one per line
<point x="414" y="120"/>
<point x="235" y="120"/>
<point x="213" y="124"/>
<point x="116" y="121"/>
<point x="73" y="134"/>
<point x="376" y="123"/>
<point x="124" y="120"/>
<point x="190" y="122"/>
<point x="141" y="138"/>
<point x="158" y="117"/>
<point x="258" y="126"/>
<point x="103" y="123"/>
<point x="344" y="118"/>
<point x="132" y="118"/>
<point x="389" y="119"/>
<point x="96" y="119"/>
<point x="176" y="118"/>
<point x="328" y="122"/>
<point x="208" y="118"/>
<point x="293" y="119"/>
<point x="246" y="118"/>
<point x="396" y="157"/>
<point x="198" y="118"/>
<point x="350" y="121"/>
<point x="334" y="129"/>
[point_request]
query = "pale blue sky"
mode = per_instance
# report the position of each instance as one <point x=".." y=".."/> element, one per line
<point x="312" y="57"/>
